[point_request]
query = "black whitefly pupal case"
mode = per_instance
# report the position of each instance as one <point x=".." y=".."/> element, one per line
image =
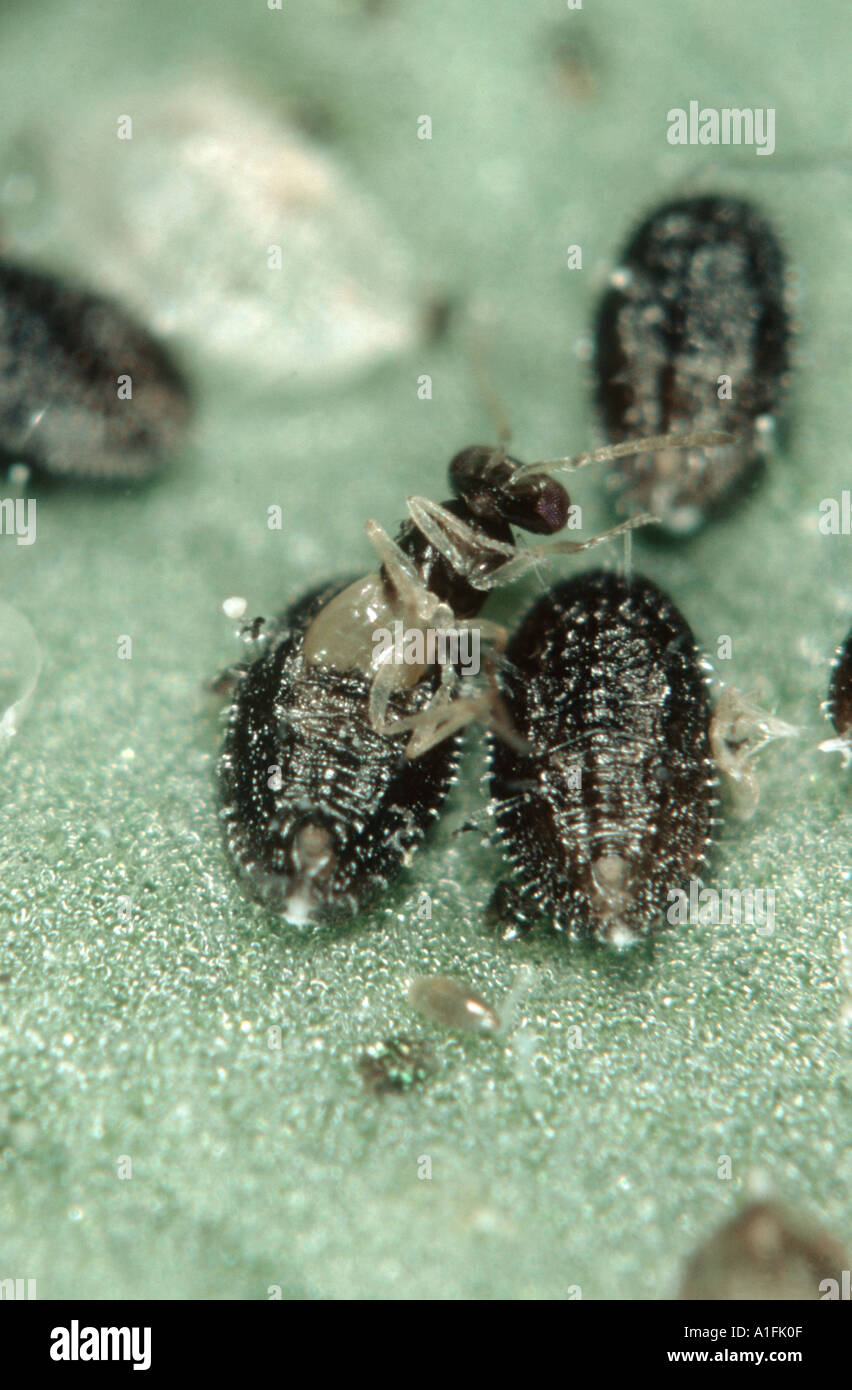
<point x="613" y="807"/>
<point x="63" y="409"/>
<point x="693" y="334"/>
<point x="319" y="811"/>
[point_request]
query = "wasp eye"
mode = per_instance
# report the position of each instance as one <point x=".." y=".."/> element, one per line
<point x="539" y="505"/>
<point x="551" y="508"/>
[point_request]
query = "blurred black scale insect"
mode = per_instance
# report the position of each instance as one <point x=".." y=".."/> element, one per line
<point x="839" y="703"/>
<point x="612" y="805"/>
<point x="693" y="334"/>
<point x="321" y="802"/>
<point x="86" y="394"/>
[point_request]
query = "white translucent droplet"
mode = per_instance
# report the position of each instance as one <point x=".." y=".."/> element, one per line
<point x="234" y="607"/>
<point x="20" y="665"/>
<point x="510" y="1009"/>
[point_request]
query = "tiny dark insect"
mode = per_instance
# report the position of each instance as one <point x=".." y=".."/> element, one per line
<point x="397" y="1064"/>
<point x="693" y="334"/>
<point x="63" y="409"/>
<point x="839" y="704"/>
<point x="321" y="803"/>
<point x="614" y="805"/>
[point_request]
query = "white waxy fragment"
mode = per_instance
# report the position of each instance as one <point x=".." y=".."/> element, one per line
<point x="453" y="1004"/>
<point x="232" y="234"/>
<point x="512" y="1003"/>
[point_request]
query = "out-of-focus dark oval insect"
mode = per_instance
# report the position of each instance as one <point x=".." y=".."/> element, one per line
<point x="321" y="801"/>
<point x="764" y="1253"/>
<point x="693" y="334"/>
<point x="85" y="392"/>
<point x="839" y="704"/>
<point x="613" y="806"/>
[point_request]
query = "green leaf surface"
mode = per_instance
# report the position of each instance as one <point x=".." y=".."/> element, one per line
<point x="552" y="1165"/>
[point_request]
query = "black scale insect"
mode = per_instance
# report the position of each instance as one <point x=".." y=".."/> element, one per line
<point x="700" y="297"/>
<point x="612" y="805"/>
<point x="318" y="809"/>
<point x="839" y="703"/>
<point x="321" y="803"/>
<point x="62" y="351"/>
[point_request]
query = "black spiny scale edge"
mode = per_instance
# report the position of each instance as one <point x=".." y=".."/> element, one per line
<point x="62" y="351"/>
<point x="840" y="691"/>
<point x="309" y="723"/>
<point x="603" y="675"/>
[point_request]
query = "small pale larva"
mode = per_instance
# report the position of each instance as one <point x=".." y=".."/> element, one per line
<point x="452" y="1004"/>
